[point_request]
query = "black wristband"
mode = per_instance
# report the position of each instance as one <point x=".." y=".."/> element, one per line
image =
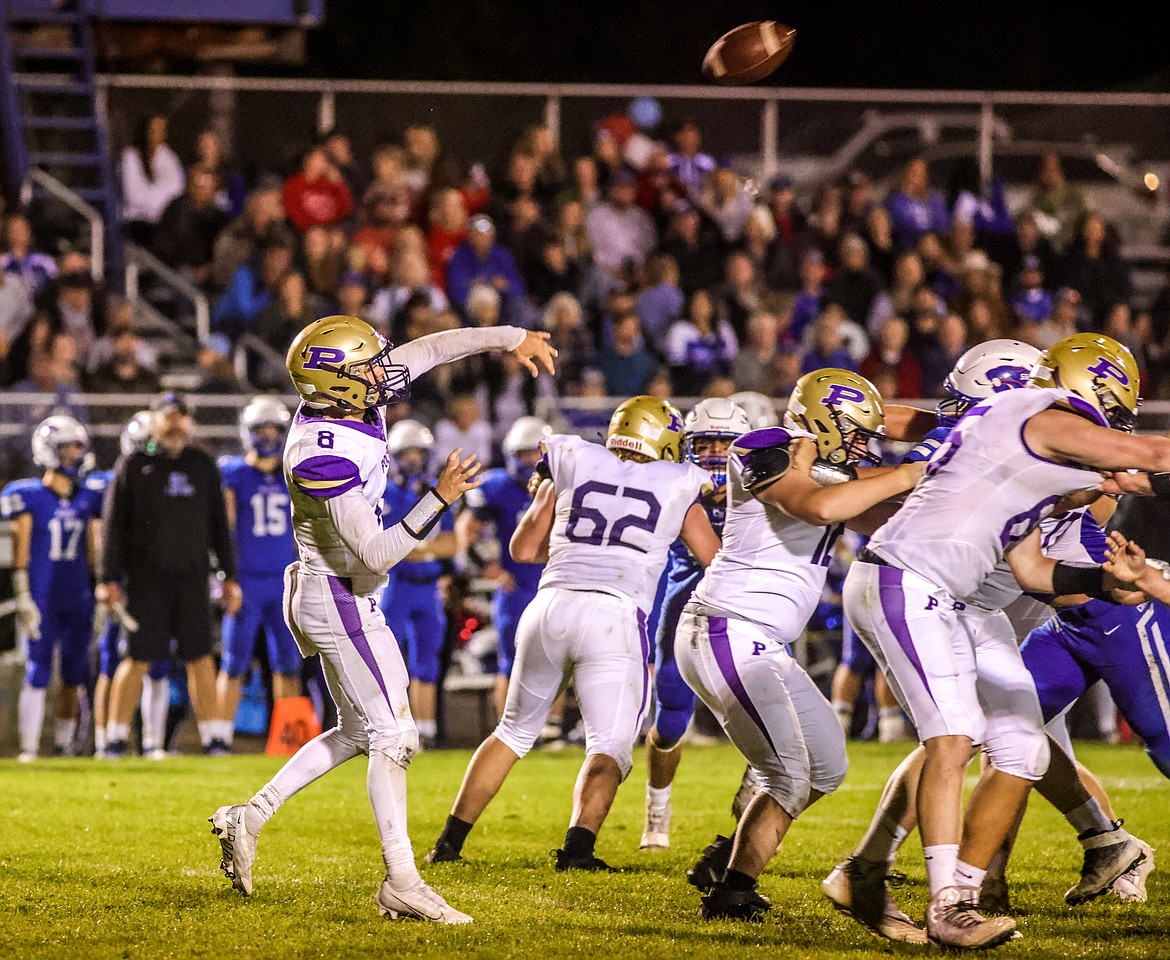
<point x="1068" y="580"/>
<point x="425" y="514"/>
<point x="1160" y="484"/>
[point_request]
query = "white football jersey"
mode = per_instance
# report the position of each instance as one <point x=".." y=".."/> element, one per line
<point x="615" y="519"/>
<point x="1074" y="537"/>
<point x="771" y="568"/>
<point x="324" y="458"/>
<point x="983" y="492"/>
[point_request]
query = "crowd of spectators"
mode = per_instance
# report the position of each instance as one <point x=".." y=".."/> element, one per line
<point x="655" y="266"/>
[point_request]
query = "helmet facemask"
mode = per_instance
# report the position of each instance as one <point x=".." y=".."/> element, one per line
<point x="715" y="463"/>
<point x="386" y="382"/>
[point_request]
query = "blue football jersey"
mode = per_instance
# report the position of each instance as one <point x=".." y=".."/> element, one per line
<point x="683" y="566"/>
<point x="501" y="500"/>
<point x="263" y="533"/>
<point x="58" y="567"/>
<point x="402" y="493"/>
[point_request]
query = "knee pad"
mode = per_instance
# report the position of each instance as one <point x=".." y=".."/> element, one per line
<point x="517" y="740"/>
<point x="669" y="726"/>
<point x="1024" y="754"/>
<point x="399" y="745"/>
<point x="828" y="780"/>
<point x="791" y="793"/>
<point x="37" y="673"/>
<point x="623" y="758"/>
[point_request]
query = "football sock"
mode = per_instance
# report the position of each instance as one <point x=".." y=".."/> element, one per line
<point x="99" y="738"/>
<point x="455" y="832"/>
<point x="63" y="733"/>
<point x="315" y="759"/>
<point x="386" y="785"/>
<point x="844" y="711"/>
<point x="427" y="728"/>
<point x="156" y="697"/>
<point x="940" y="865"/>
<point x="657" y="797"/>
<point x="1089" y="818"/>
<point x="735" y="880"/>
<point x="206" y="732"/>
<point x="267" y="802"/>
<point x="31" y="712"/>
<point x="967" y="875"/>
<point x="579" y="843"/>
<point x="117" y="732"/>
<point x="891" y="726"/>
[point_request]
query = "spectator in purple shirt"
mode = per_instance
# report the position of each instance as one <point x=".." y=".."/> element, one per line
<point x="34" y="268"/>
<point x="915" y="208"/>
<point x="828" y="344"/>
<point x="661" y="303"/>
<point x="480" y="259"/>
<point x="688" y="162"/>
<point x="1030" y="302"/>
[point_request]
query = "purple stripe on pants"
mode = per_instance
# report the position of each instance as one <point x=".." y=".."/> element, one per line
<point x="721" y="647"/>
<point x="644" y="637"/>
<point x="894" y="608"/>
<point x="351" y="621"/>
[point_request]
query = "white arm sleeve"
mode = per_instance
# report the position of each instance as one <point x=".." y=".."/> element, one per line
<point x="359" y="528"/>
<point x="427" y="352"/>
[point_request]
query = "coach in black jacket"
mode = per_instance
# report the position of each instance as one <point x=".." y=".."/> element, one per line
<point x="163" y="516"/>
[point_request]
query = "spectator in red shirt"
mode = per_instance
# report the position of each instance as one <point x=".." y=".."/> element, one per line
<point x="448" y="219"/>
<point x="889" y="350"/>
<point x="316" y="195"/>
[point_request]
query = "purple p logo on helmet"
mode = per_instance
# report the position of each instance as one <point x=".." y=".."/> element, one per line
<point x="1104" y="367"/>
<point x="322" y="355"/>
<point x="1007" y="377"/>
<point x="840" y="392"/>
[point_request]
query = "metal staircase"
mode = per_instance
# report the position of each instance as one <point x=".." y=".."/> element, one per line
<point x="49" y="102"/>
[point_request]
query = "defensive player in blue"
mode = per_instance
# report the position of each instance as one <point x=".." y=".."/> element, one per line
<point x="411" y="598"/>
<point x="708" y="432"/>
<point x="258" y="514"/>
<point x="55" y="525"/>
<point x="499" y="502"/>
<point x="156" y="690"/>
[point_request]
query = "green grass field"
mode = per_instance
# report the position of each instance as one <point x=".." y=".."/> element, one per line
<point x="116" y="860"/>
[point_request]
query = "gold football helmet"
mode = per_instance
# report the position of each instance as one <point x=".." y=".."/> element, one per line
<point x="344" y="362"/>
<point x="1099" y="370"/>
<point x="842" y="410"/>
<point x="648" y="426"/>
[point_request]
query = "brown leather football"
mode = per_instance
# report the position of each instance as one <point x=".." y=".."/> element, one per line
<point x="749" y="52"/>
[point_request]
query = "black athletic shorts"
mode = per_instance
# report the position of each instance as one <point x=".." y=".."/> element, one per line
<point x="177" y="608"/>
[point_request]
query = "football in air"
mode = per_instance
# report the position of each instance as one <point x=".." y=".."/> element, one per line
<point x="749" y="52"/>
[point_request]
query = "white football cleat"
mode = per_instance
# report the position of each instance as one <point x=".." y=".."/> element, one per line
<point x="953" y="920"/>
<point x="158" y="753"/>
<point x="26" y="757"/>
<point x="1131" y="885"/>
<point x="656" y="834"/>
<point x="238" y="835"/>
<point x="418" y="902"/>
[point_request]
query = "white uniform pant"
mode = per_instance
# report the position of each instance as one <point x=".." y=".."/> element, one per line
<point x="360" y="657"/>
<point x="598" y="640"/>
<point x="769" y="707"/>
<point x="956" y="670"/>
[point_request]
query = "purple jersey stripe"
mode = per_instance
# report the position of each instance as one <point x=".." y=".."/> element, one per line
<point x="721" y="647"/>
<point x="644" y="637"/>
<point x="893" y="602"/>
<point x="326" y="476"/>
<point x="351" y="621"/>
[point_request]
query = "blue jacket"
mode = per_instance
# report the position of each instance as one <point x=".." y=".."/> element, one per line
<point x="911" y="218"/>
<point x="465" y="268"/>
